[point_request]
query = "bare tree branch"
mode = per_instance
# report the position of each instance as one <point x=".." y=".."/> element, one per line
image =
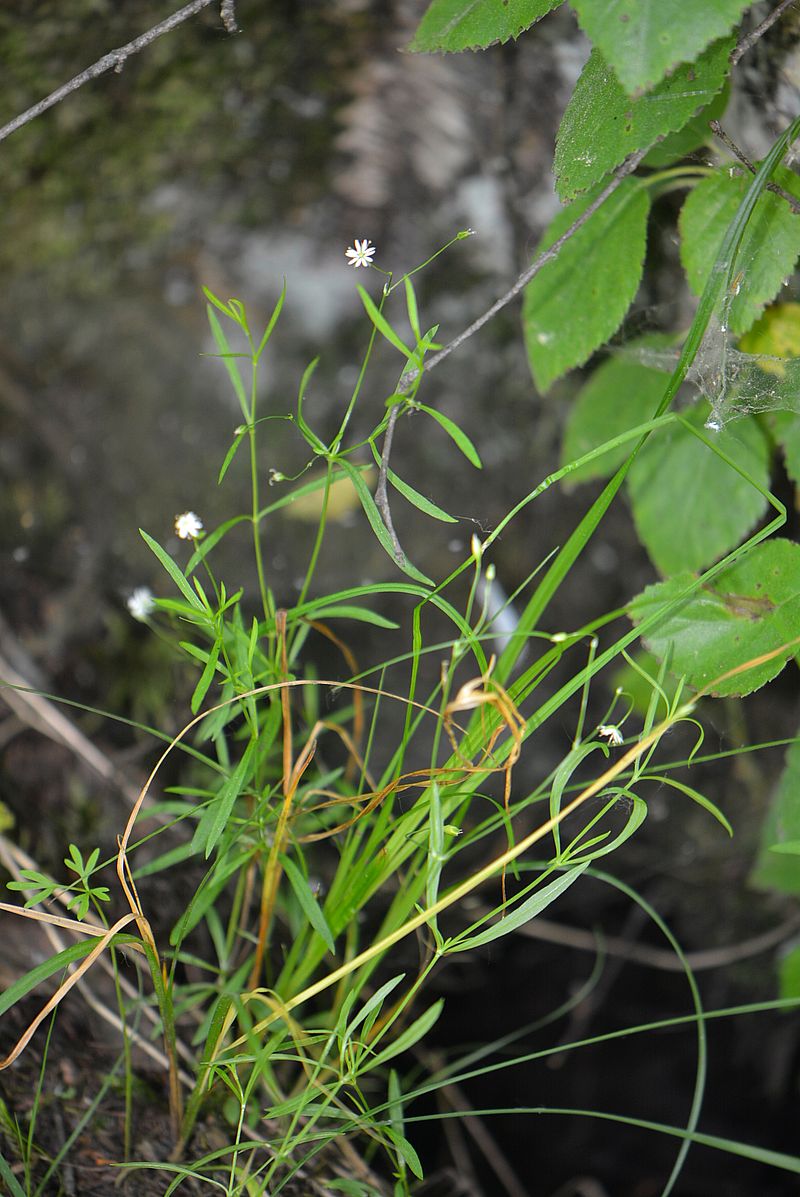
<point x="115" y="60"/>
<point x="775" y="188"/>
<point x="748" y="42"/>
<point x="548" y="255"/>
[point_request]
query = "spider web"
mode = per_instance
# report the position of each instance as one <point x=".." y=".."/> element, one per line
<point x="735" y="383"/>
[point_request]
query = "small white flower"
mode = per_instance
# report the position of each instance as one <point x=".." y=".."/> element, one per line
<point x="360" y="254"/>
<point x="188" y="526"/>
<point x="141" y="603"/>
<point x="607" y="731"/>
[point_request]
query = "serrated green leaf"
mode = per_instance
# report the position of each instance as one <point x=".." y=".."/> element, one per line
<point x="694" y="134"/>
<point x="774" y="870"/>
<point x="452" y="429"/>
<point x="644" y="39"/>
<point x="769" y="248"/>
<point x="620" y="394"/>
<point x="602" y="124"/>
<point x="576" y="302"/>
<point x="747" y="611"/>
<point x="777" y="334"/>
<point x="689" y="506"/>
<point x="308" y="903"/>
<point x="452" y="25"/>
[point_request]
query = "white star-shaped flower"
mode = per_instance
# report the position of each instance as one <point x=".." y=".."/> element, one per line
<point x="608" y="731"/>
<point x="360" y="254"/>
<point x="188" y="526"/>
<point x="141" y="603"/>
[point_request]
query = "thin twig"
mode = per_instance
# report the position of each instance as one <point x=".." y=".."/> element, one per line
<point x="114" y="60"/>
<point x="756" y="34"/>
<point x="775" y="188"/>
<point x="381" y="494"/>
<point x="381" y="497"/>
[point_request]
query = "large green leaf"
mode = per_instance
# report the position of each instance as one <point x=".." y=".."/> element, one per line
<point x="690" y="507"/>
<point x="749" y="610"/>
<point x="602" y="124"/>
<point x="577" y="301"/>
<point x="781" y="870"/>
<point x="643" y="39"/>
<point x="692" y="135"/>
<point x="770" y="245"/>
<point x="620" y="394"/>
<point x="474" y="24"/>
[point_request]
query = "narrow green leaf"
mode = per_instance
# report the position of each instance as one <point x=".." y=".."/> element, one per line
<point x="229" y="456"/>
<point x="382" y="324"/>
<point x="676" y="477"/>
<point x="7" y="1176"/>
<point x="411" y="305"/>
<point x="174" y="571"/>
<point x="308" y="903"/>
<point x="219" y="304"/>
<point x="362" y="614"/>
<point x="373" y="1004"/>
<point x="206" y="678"/>
<point x="699" y="798"/>
<point x="452" y="429"/>
<point x="54" y="964"/>
<point x="229" y="358"/>
<point x="602" y="124"/>
<point x="562" y="777"/>
<point x="212" y="823"/>
<point x="273" y="320"/>
<point x="453" y="25"/>
<point x="413" y="496"/>
<point x="576" y="302"/>
<point x="769" y="248"/>
<point x="745" y="612"/>
<point x="377" y="524"/>
<point x="405" y="1150"/>
<point x="534" y="904"/>
<point x="419" y="501"/>
<point x="644" y="39"/>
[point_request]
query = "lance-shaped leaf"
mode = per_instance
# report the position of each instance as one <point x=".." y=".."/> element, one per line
<point x="776" y="869"/>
